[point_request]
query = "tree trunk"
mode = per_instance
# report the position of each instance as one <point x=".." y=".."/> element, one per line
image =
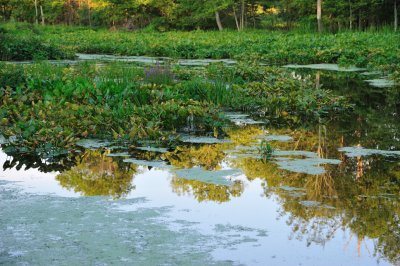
<point x="236" y="19"/>
<point x="396" y="22"/>
<point x="89" y="14"/>
<point x="42" y="15"/>
<point x="242" y="16"/>
<point x="218" y="20"/>
<point x="318" y="80"/>
<point x="319" y="15"/>
<point x="37" y="13"/>
<point x="253" y="13"/>
<point x="350" y="16"/>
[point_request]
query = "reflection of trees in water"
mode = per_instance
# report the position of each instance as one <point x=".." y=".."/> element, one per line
<point x="28" y="161"/>
<point x="244" y="135"/>
<point x="205" y="191"/>
<point x="99" y="175"/>
<point x="367" y="205"/>
<point x="207" y="156"/>
<point x="364" y="192"/>
<point x="320" y="186"/>
<point x="91" y="173"/>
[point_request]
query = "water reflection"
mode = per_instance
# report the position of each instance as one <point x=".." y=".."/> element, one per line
<point x="361" y="194"/>
<point x="96" y="174"/>
<point x="28" y="161"/>
<point x="207" y="156"/>
<point x="206" y="192"/>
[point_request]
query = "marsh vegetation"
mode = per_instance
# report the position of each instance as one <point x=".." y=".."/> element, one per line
<point x="125" y="139"/>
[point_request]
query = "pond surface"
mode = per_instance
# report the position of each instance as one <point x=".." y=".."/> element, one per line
<point x="329" y="194"/>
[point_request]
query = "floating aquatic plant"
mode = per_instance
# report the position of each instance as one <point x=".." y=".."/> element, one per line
<point x="265" y="150"/>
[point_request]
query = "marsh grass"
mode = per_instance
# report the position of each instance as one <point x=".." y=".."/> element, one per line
<point x="159" y="74"/>
<point x="217" y="92"/>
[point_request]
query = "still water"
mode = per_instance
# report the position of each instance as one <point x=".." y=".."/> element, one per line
<point x="329" y="194"/>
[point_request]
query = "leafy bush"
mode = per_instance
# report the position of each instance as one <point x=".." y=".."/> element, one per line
<point x="29" y="47"/>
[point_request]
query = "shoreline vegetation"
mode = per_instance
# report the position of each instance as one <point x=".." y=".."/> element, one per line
<point x="55" y="106"/>
<point x="373" y="49"/>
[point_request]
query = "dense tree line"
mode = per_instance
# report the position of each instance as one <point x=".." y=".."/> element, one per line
<point x="329" y="15"/>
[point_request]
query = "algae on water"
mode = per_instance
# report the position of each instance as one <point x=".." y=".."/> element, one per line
<point x="311" y="166"/>
<point x="152" y="149"/>
<point x="156" y="164"/>
<point x="329" y="67"/>
<point x="93" y="143"/>
<point x="203" y="140"/>
<point x="381" y="83"/>
<point x="281" y="138"/>
<point x="360" y="151"/>
<point x="214" y="177"/>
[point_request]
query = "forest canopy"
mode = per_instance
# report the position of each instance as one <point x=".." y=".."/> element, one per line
<point x="327" y="15"/>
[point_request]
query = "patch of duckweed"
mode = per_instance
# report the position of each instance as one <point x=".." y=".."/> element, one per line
<point x="93" y="143"/>
<point x="204" y="62"/>
<point x="152" y="149"/>
<point x="310" y="166"/>
<point x="203" y="140"/>
<point x="316" y="204"/>
<point x="152" y="60"/>
<point x="155" y="163"/>
<point x="360" y="151"/>
<point x="280" y="138"/>
<point x="130" y="59"/>
<point x="241" y="119"/>
<point x="329" y="67"/>
<point x="287" y="188"/>
<point x="119" y="154"/>
<point x="48" y="230"/>
<point x="219" y="177"/>
<point x="381" y="83"/>
<point x="310" y="203"/>
<point x="3" y="140"/>
<point x="308" y="154"/>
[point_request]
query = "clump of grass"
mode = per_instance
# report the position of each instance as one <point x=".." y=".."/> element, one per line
<point x="216" y="92"/>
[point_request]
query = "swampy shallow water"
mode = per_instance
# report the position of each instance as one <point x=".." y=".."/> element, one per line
<point x="328" y="195"/>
